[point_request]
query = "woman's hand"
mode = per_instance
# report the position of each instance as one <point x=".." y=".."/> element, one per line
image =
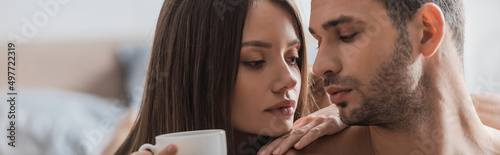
<point x="325" y="121"/>
<point x="169" y="150"/>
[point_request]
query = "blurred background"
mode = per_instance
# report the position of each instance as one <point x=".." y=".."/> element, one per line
<point x="81" y="66"/>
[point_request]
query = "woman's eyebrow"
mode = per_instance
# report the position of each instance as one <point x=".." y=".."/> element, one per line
<point x="266" y="44"/>
<point x="257" y="43"/>
<point x="294" y="42"/>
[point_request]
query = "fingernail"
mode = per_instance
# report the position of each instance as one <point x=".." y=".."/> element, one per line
<point x="262" y="152"/>
<point x="170" y="149"/>
<point x="277" y="151"/>
<point x="297" y="145"/>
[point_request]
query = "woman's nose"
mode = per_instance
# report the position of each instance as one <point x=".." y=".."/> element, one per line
<point x="286" y="79"/>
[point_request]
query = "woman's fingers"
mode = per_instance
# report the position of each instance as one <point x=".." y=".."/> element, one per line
<point x="142" y="153"/>
<point x="296" y="135"/>
<point x="323" y="122"/>
<point x="285" y="142"/>
<point x="319" y="131"/>
<point x="269" y="147"/>
<point x="306" y="130"/>
<point x="312" y="135"/>
<point x="169" y="150"/>
<point x="301" y="122"/>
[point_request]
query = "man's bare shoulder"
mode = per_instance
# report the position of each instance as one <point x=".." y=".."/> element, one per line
<point x="352" y="140"/>
<point x="488" y="107"/>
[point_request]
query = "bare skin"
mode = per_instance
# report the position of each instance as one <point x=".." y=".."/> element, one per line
<point x="307" y="129"/>
<point x="488" y="109"/>
<point x="442" y="122"/>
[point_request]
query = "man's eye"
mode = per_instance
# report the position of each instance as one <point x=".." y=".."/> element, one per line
<point x="254" y="64"/>
<point x="348" y="38"/>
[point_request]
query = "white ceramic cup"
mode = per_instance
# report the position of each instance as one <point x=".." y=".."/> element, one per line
<point x="209" y="142"/>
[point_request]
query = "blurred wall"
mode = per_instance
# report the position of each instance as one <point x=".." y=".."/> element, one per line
<point x="482" y="56"/>
<point x="73" y="44"/>
<point x="79" y="20"/>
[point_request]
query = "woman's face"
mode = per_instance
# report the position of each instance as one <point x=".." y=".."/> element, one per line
<point x="268" y="82"/>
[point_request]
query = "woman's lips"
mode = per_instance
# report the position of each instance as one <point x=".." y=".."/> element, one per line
<point x="283" y="111"/>
<point x="283" y="108"/>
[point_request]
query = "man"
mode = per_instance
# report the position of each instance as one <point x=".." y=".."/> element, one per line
<point x="394" y="69"/>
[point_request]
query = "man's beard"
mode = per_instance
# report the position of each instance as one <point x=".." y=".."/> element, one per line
<point x="391" y="99"/>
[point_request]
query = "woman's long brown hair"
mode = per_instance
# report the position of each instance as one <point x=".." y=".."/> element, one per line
<point x="193" y="68"/>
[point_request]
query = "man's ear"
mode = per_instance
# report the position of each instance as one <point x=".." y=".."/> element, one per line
<point x="433" y="28"/>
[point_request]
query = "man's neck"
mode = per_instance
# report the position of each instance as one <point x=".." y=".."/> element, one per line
<point x="452" y="127"/>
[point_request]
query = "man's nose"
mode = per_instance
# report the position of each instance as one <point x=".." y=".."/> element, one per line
<point x="327" y="61"/>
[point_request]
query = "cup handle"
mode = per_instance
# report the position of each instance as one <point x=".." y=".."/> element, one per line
<point x="149" y="147"/>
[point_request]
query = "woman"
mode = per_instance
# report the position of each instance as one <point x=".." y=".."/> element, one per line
<point x="232" y="65"/>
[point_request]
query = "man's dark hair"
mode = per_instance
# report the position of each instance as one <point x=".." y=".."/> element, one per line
<point x="402" y="11"/>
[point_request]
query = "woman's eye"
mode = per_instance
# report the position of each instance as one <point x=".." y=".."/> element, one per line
<point x="348" y="38"/>
<point x="254" y="64"/>
<point x="293" y="60"/>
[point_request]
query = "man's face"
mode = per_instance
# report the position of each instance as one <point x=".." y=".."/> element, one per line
<point x="369" y="67"/>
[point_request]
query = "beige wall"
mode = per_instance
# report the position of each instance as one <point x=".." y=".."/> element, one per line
<point x="85" y="67"/>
